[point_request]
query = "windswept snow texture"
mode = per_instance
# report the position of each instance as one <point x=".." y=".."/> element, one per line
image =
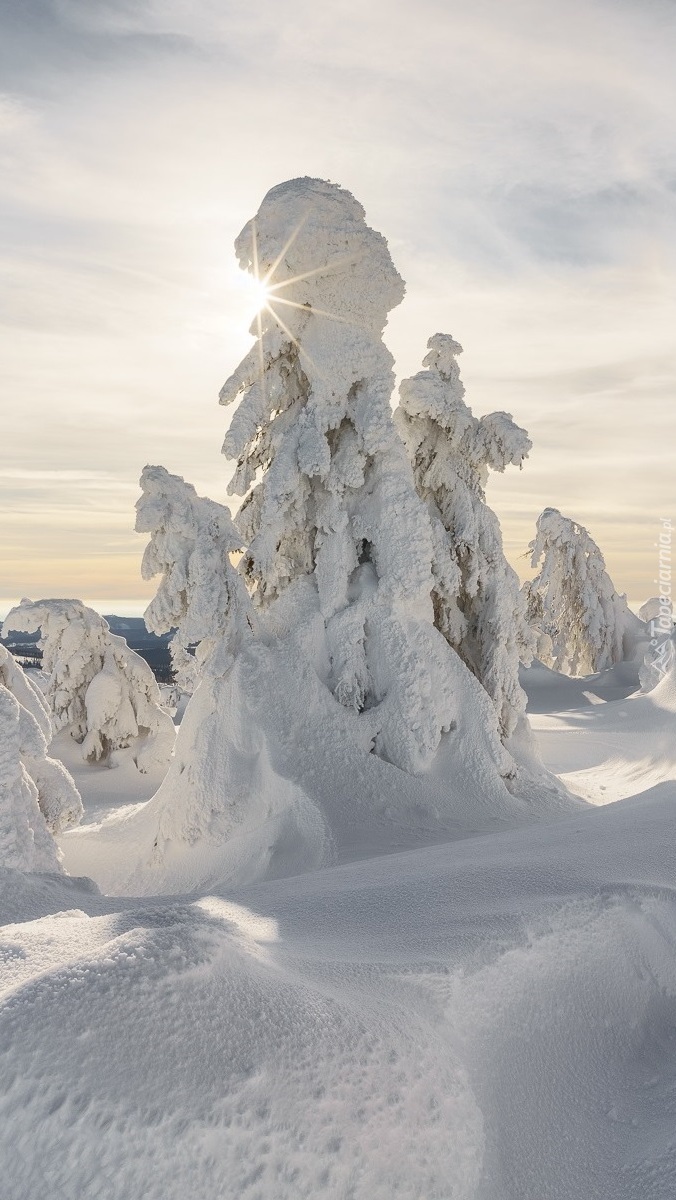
<point x="335" y="500"/>
<point x="477" y="600"/>
<point x="201" y="594"/>
<point x="99" y="691"/>
<point x="490" y="1019"/>
<point x="38" y="797"/>
<point x="583" y="625"/>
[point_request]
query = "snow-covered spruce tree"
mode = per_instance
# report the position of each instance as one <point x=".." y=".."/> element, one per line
<point x="98" y="689"/>
<point x="330" y="500"/>
<point x="58" y="797"/>
<point x="201" y="595"/>
<point x="477" y="602"/>
<point x="581" y="622"/>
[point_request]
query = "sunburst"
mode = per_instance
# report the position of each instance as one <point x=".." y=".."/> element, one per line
<point x="268" y="295"/>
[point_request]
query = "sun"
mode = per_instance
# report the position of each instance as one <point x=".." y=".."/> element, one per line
<point x="256" y="290"/>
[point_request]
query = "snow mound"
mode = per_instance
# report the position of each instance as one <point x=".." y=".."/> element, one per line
<point x="262" y="785"/>
<point x="613" y="748"/>
<point x="446" y="1022"/>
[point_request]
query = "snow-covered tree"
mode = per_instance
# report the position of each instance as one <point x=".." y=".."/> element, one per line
<point x="330" y="501"/>
<point x="98" y="689"/>
<point x="477" y="602"/>
<point x="581" y="622"/>
<point x="201" y="594"/>
<point x="37" y="795"/>
<point x="58" y="797"/>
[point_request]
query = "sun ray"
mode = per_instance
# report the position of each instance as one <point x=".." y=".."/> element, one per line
<point x="325" y="270"/>
<point x="285" y="248"/>
<point x="259" y="319"/>
<point x="308" y="308"/>
<point x="295" y="341"/>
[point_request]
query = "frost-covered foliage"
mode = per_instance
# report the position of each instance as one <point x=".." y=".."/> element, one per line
<point x="37" y="795"/>
<point x="582" y="624"/>
<point x="98" y="689"/>
<point x="201" y="595"/>
<point x="329" y="489"/>
<point x="477" y="602"/>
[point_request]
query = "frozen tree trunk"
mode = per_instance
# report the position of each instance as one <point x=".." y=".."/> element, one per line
<point x="581" y="622"/>
<point x="476" y="595"/>
<point x="335" y="504"/>
<point x="98" y="689"/>
<point x="201" y="594"/>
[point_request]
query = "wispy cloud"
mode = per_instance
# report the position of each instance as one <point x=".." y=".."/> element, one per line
<point x="520" y="157"/>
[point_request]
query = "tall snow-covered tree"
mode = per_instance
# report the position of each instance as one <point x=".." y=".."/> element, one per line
<point x="201" y="594"/>
<point x="329" y="495"/>
<point x="98" y="689"/>
<point x="477" y="602"/>
<point x="581" y="622"/>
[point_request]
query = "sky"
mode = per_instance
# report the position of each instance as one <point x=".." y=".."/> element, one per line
<point x="519" y="156"/>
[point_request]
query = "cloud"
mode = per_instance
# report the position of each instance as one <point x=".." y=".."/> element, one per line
<point x="520" y="158"/>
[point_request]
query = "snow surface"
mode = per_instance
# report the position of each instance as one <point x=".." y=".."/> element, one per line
<point x="485" y="1019"/>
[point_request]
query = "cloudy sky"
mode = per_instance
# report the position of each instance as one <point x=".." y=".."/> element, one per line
<point x="519" y="155"/>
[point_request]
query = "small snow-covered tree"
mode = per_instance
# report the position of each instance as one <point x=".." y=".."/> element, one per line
<point x="98" y="689"/>
<point x="37" y="795"/>
<point x="329" y="495"/>
<point x="581" y="622"/>
<point x="201" y="594"/>
<point x="476" y="594"/>
<point x="58" y="797"/>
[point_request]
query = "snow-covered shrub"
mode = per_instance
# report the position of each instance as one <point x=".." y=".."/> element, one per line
<point x="58" y="797"/>
<point x="98" y="689"/>
<point x="477" y="602"/>
<point x="201" y="594"/>
<point x="37" y="795"/>
<point x="581" y="622"/>
<point x="335" y="504"/>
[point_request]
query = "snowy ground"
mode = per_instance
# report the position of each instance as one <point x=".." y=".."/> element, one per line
<point x="491" y="1018"/>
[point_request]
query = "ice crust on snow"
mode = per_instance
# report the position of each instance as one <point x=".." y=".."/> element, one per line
<point x="476" y="594"/>
<point x="38" y="797"/>
<point x="201" y="594"/>
<point x="99" y="690"/>
<point x="582" y="624"/>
